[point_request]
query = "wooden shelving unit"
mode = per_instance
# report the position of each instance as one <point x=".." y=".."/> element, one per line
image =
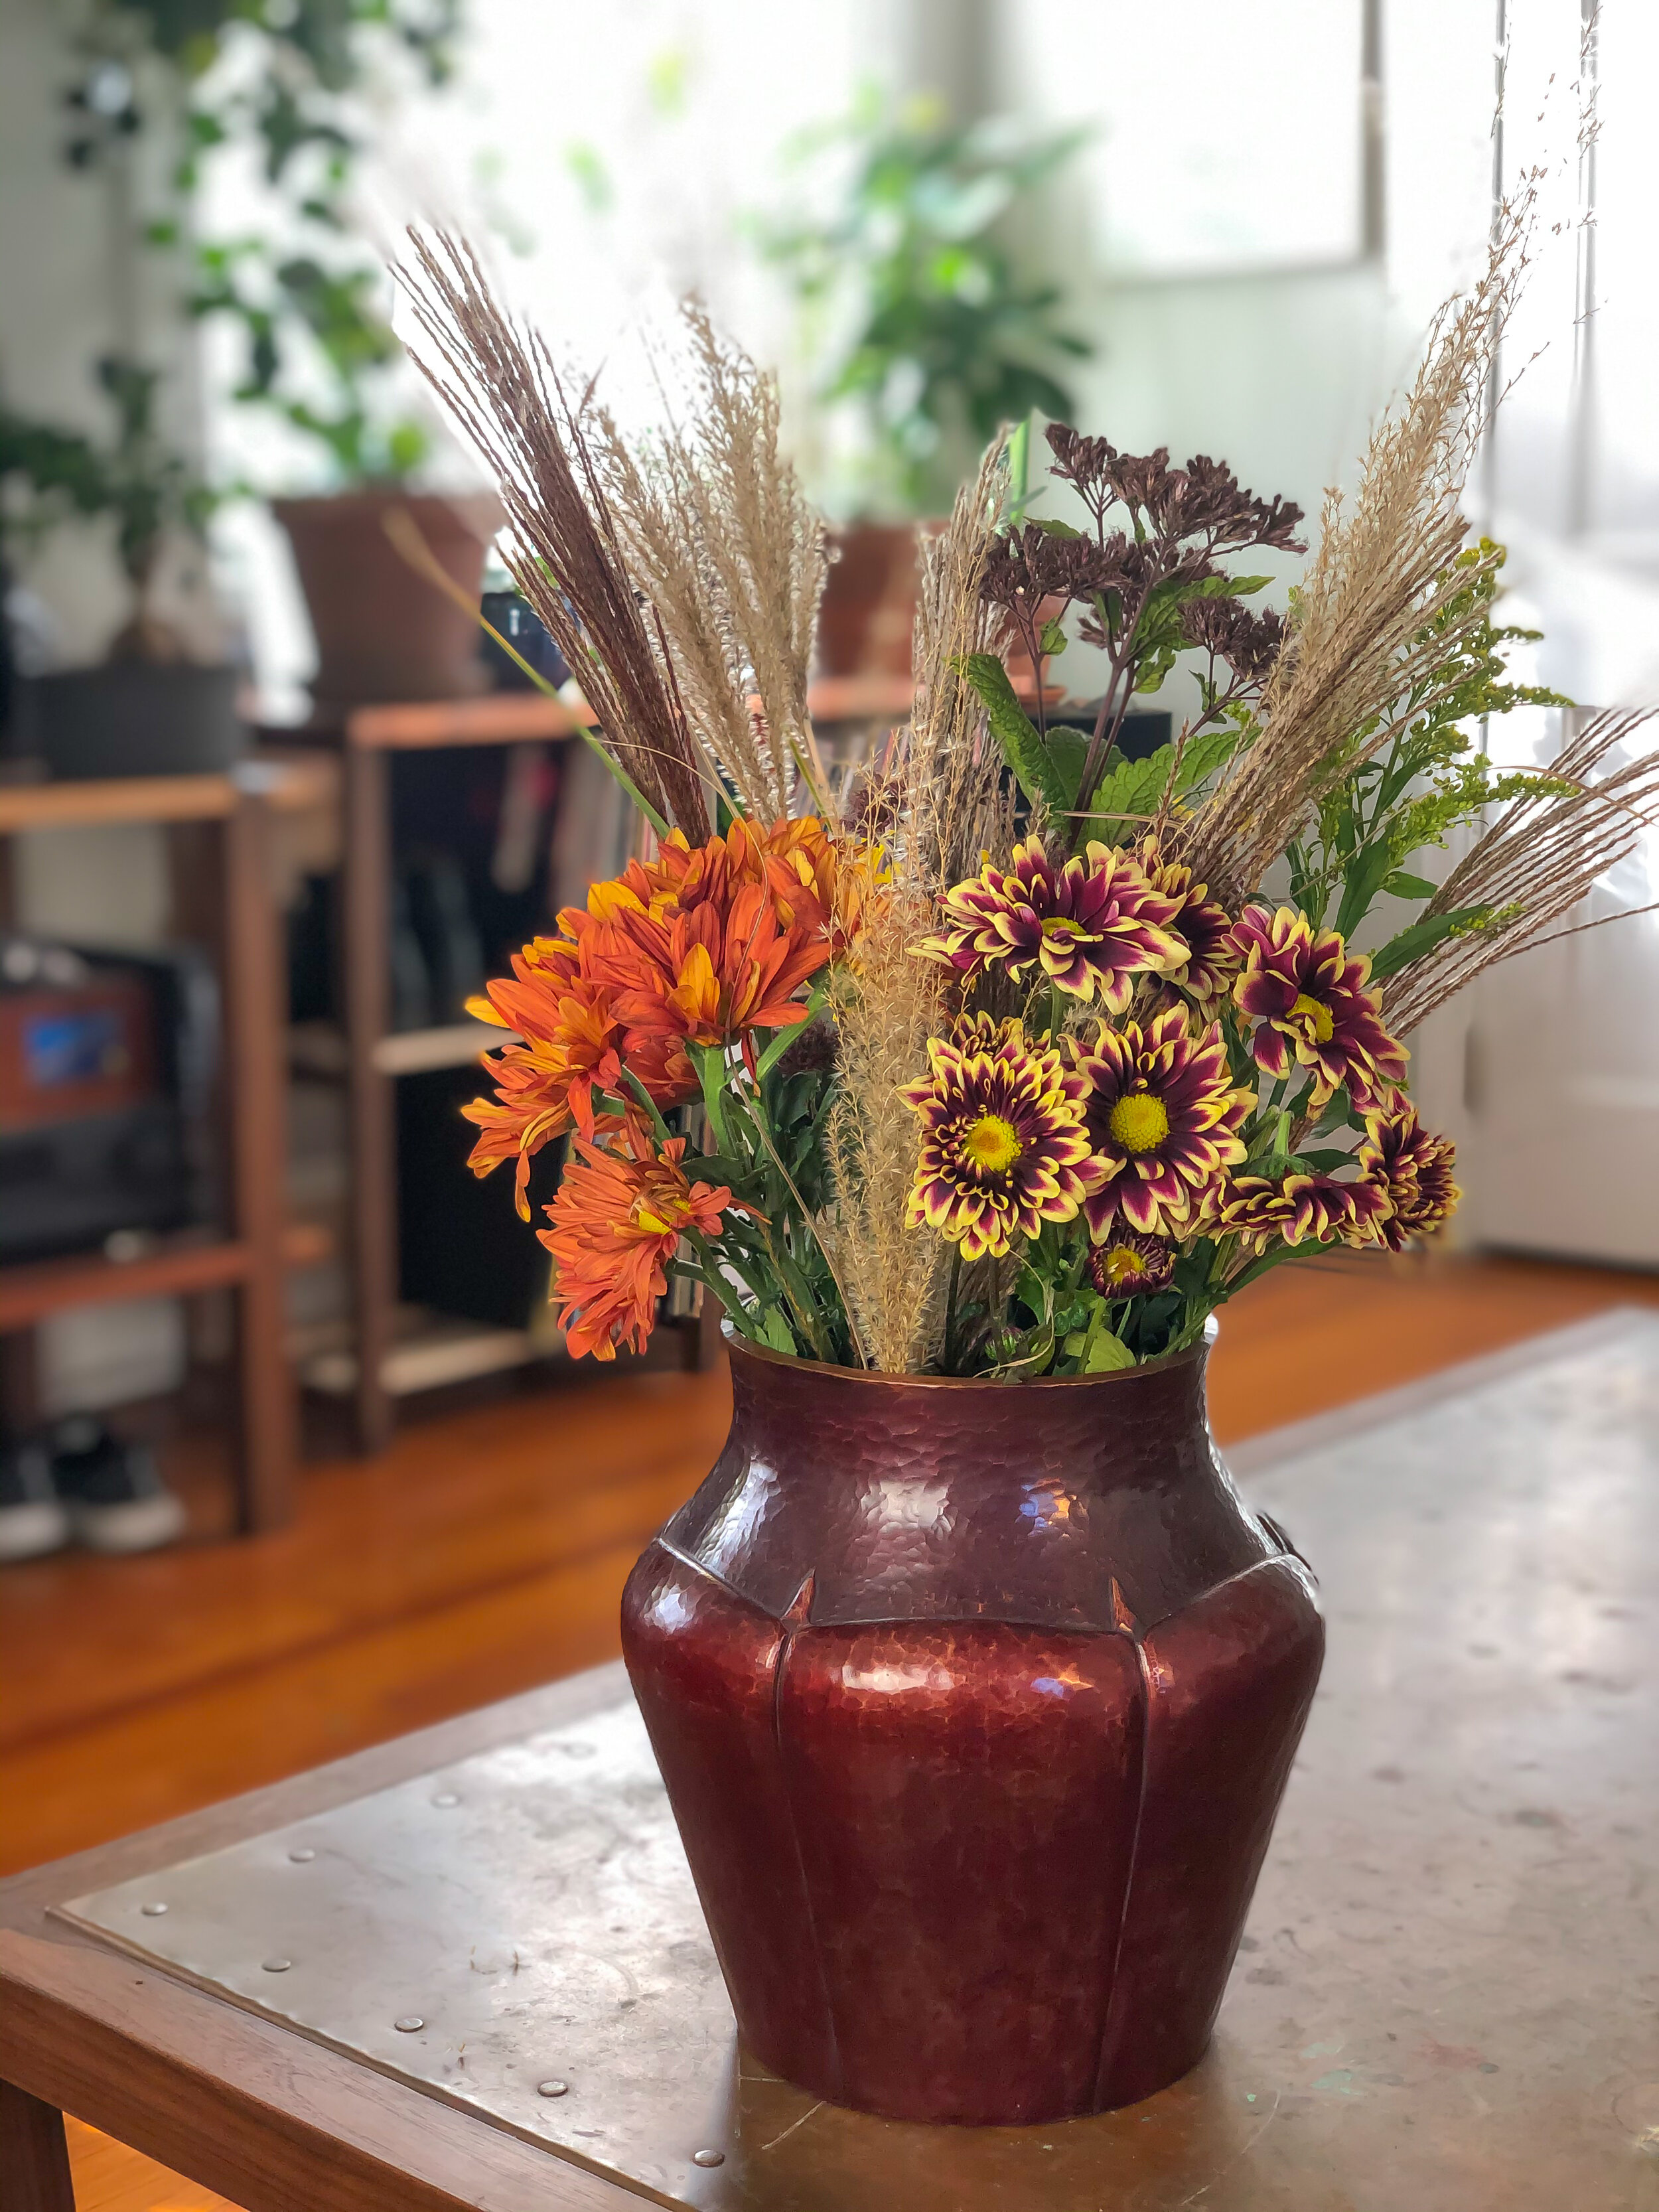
<point x="249" y="1253"/>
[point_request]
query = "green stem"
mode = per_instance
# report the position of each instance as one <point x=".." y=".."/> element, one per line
<point x="950" y="1310"/>
<point x="649" y="1104"/>
<point x="759" y="1115"/>
<point x="708" y="1272"/>
<point x="709" y="1061"/>
<point x="795" y="1289"/>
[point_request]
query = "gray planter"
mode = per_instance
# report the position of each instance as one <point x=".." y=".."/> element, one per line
<point x="132" y="719"/>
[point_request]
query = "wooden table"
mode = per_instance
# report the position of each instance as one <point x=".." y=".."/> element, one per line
<point x="1446" y="2000"/>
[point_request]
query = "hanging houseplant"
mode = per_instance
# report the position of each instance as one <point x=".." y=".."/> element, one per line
<point x="974" y="1684"/>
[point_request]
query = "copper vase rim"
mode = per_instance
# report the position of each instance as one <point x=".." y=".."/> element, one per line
<point x="1195" y="1355"/>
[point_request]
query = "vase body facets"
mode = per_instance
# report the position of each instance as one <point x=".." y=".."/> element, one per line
<point x="975" y="1703"/>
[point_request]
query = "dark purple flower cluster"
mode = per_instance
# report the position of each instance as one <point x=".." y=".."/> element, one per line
<point x="1250" y="644"/>
<point x="1202" y="501"/>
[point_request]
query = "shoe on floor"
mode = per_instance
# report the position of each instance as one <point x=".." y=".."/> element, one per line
<point x="113" y="1493"/>
<point x="32" y="1518"/>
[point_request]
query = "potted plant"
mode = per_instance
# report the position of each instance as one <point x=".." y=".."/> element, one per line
<point x="929" y="333"/>
<point x="318" y="347"/>
<point x="974" y="1682"/>
<point x="148" y="708"/>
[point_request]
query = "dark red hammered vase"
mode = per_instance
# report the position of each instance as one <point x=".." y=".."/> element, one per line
<point x="975" y="1703"/>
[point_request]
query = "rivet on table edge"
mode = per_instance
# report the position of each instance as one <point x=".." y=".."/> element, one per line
<point x="153" y="1910"/>
<point x="277" y="1965"/>
<point x="552" y="2088"/>
<point x="446" y="1798"/>
<point x="407" y="2023"/>
<point x="303" y="1856"/>
<point x="709" y="2158"/>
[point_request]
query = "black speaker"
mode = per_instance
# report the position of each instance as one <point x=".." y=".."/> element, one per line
<point x="462" y="1248"/>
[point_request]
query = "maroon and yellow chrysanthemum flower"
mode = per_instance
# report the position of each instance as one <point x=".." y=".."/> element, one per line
<point x="1163" y="1119"/>
<point x="1091" y="926"/>
<point x="1128" y="1265"/>
<point x="1307" y="993"/>
<point x="1412" y="1167"/>
<point x="1297" y="1206"/>
<point x="1003" y="1145"/>
<point x="1212" y="960"/>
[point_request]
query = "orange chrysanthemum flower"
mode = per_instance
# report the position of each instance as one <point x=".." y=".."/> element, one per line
<point x="620" y="1212"/>
<point x="697" y="946"/>
<point x="748" y="928"/>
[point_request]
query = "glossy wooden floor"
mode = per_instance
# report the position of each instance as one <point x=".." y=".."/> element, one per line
<point x="486" y="1552"/>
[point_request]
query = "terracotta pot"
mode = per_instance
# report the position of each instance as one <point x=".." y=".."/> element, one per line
<point x="869" y="602"/>
<point x="383" y="632"/>
<point x="975" y="1703"/>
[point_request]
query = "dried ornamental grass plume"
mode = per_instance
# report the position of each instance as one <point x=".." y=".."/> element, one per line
<point x="765" y="544"/>
<point x="960" y="812"/>
<point x="505" y="393"/>
<point x="1535" y="863"/>
<point x="942" y="806"/>
<point x="1003" y="1143"/>
<point x="1375" y="611"/>
<point x="886" y="1005"/>
<point x="719" y="536"/>
<point x="655" y="507"/>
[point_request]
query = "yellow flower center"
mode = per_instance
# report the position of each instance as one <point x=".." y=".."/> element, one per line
<point x="992" y="1144"/>
<point x="1061" y="925"/>
<point x="660" y="1217"/>
<point x="1121" y="1263"/>
<point x="1317" y="1015"/>
<point x="1139" y="1121"/>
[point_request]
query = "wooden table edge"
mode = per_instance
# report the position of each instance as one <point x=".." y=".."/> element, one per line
<point x="264" y="2115"/>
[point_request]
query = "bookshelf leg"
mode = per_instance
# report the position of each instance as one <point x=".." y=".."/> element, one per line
<point x="374" y="1188"/>
<point x="257" y="1089"/>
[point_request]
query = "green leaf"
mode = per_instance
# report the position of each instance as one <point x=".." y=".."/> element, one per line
<point x="776" y="1331"/>
<point x="1127" y="796"/>
<point x="1402" y="885"/>
<point x="1053" y="527"/>
<point x="1067" y="750"/>
<point x="1106" y="1353"/>
<point x="1424" y="934"/>
<point x="1015" y="732"/>
<point x="1362" y="880"/>
<point x="1053" y="638"/>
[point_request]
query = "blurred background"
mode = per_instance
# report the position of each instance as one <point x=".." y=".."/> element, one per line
<point x="293" y="1458"/>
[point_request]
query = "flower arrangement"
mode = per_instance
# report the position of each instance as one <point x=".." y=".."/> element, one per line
<point x="1000" y="1053"/>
